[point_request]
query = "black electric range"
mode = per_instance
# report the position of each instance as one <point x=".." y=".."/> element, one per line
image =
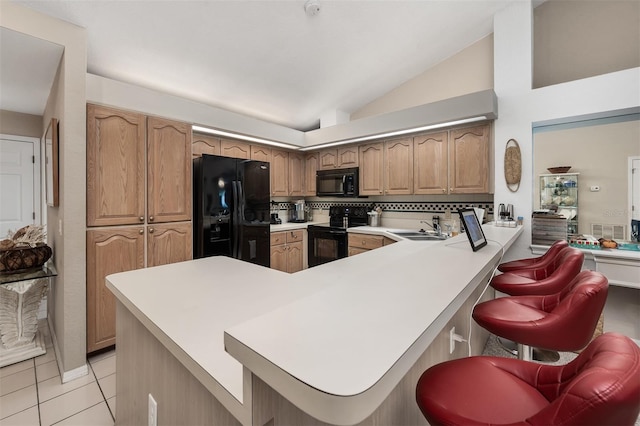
<point x="328" y="241"/>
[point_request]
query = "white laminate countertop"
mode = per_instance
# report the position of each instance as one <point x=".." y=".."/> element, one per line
<point x="334" y="339"/>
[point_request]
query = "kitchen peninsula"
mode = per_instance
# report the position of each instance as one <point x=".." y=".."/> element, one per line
<point x="220" y="341"/>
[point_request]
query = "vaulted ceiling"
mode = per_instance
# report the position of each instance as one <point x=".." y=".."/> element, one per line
<point x="269" y="59"/>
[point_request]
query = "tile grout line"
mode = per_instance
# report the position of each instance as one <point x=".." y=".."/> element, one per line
<point x="100" y="388"/>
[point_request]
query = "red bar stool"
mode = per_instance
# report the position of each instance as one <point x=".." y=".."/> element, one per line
<point x="564" y="321"/>
<point x="547" y="277"/>
<point x="533" y="262"/>
<point x="600" y="387"/>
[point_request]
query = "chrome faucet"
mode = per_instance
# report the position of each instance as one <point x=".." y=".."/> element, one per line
<point x="435" y="227"/>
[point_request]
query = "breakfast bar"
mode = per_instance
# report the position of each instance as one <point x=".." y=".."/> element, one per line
<point x="342" y="343"/>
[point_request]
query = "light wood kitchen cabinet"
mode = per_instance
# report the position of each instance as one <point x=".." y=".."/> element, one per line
<point x="109" y="250"/>
<point x="469" y="160"/>
<point x="169" y="243"/>
<point x="371" y="169"/>
<point x="296" y="174"/>
<point x="398" y="166"/>
<point x="287" y="250"/>
<point x="279" y="171"/>
<point x="235" y="149"/>
<point x="310" y="170"/>
<point x="430" y="163"/>
<point x="204" y="144"/>
<point x="169" y="178"/>
<point x="360" y="243"/>
<point x="260" y="153"/>
<point x="340" y="158"/>
<point x="115" y="166"/>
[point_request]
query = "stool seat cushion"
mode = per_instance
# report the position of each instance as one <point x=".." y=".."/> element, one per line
<point x="468" y="388"/>
<point x="601" y="386"/>
<point x="564" y="321"/>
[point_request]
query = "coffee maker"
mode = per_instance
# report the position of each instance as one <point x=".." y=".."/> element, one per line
<point x="297" y="214"/>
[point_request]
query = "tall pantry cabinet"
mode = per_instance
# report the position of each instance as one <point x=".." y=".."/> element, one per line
<point x="138" y="204"/>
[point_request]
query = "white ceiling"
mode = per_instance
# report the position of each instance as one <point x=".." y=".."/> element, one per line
<point x="268" y="59"/>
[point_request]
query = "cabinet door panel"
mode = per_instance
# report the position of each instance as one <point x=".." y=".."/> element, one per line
<point x="260" y="153"/>
<point x="310" y="170"/>
<point x="469" y="160"/>
<point x="169" y="171"/>
<point x="294" y="257"/>
<point x="279" y="258"/>
<point x="348" y="157"/>
<point x="205" y="145"/>
<point x="108" y="251"/>
<point x="430" y="164"/>
<point x="115" y="166"/>
<point x="169" y="243"/>
<point x="279" y="173"/>
<point x="371" y="169"/>
<point x="296" y="174"/>
<point x="235" y="149"/>
<point x="398" y="166"/>
<point x="328" y="159"/>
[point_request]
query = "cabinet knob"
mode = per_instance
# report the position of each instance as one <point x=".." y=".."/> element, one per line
<point x="141" y="231"/>
<point x="444" y="190"/>
<point x="150" y="218"/>
<point x="151" y="230"/>
<point x="293" y="235"/>
<point x="141" y="218"/>
<point x="364" y="243"/>
<point x="450" y="189"/>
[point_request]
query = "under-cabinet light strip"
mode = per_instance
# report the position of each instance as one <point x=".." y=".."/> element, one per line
<point x="396" y="133"/>
<point x="243" y="137"/>
<point x="343" y="142"/>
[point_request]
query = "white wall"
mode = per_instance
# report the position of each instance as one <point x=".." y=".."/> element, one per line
<point x="67" y="311"/>
<point x="520" y="106"/>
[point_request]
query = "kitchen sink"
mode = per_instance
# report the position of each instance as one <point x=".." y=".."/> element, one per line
<point x="426" y="237"/>
<point x="420" y="235"/>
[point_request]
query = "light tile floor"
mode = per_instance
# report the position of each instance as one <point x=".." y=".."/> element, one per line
<point x="32" y="393"/>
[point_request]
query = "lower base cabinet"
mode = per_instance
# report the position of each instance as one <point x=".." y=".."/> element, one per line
<point x="287" y="251"/>
<point x="360" y="243"/>
<point x="118" y="249"/>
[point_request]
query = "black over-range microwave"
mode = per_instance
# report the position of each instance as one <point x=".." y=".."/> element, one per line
<point x="337" y="183"/>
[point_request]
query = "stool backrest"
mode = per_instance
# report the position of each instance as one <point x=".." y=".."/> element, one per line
<point x="567" y="259"/>
<point x="601" y="386"/>
<point x="575" y="311"/>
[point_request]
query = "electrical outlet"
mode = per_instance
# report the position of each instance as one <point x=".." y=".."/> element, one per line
<point x="452" y="342"/>
<point x="153" y="411"/>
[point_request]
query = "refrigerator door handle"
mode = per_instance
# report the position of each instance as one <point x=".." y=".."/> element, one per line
<point x="234" y="218"/>
<point x="240" y="216"/>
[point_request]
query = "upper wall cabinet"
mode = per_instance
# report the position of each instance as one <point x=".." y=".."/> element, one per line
<point x="115" y="166"/>
<point x="279" y="171"/>
<point x="469" y="160"/>
<point x="235" y="149"/>
<point x="296" y="174"/>
<point x="168" y="170"/>
<point x="204" y="144"/>
<point x="310" y="170"/>
<point x="430" y="163"/>
<point x="398" y="166"/>
<point x="371" y="168"/>
<point x="338" y="158"/>
<point x="261" y="153"/>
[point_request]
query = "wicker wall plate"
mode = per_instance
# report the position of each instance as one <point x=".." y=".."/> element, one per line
<point x="19" y="259"/>
<point x="512" y="165"/>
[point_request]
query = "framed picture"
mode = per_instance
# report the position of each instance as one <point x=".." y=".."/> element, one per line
<point x="51" y="162"/>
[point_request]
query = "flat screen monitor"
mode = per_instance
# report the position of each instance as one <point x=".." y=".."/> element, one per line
<point x="472" y="228"/>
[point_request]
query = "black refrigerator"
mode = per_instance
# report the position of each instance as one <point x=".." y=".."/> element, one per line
<point x="231" y="215"/>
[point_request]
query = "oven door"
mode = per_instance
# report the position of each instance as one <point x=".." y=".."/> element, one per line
<point x="326" y="244"/>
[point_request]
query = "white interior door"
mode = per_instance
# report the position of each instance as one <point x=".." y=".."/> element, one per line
<point x="17" y="184"/>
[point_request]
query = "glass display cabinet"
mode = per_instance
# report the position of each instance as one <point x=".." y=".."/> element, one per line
<point x="559" y="193"/>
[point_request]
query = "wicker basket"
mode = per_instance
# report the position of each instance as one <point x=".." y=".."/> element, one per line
<point x="19" y="259"/>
